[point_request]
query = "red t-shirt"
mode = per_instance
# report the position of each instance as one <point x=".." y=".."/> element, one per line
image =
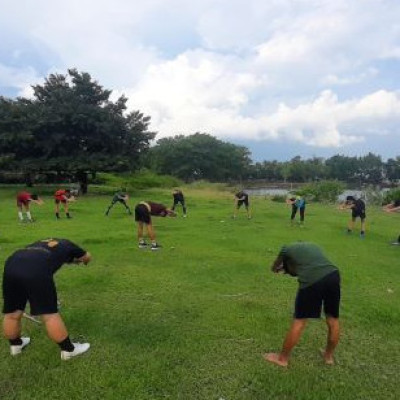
<point x="24" y="197"/>
<point x="60" y="195"/>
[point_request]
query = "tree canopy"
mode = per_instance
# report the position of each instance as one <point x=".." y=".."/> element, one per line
<point x="72" y="125"/>
<point x="199" y="156"/>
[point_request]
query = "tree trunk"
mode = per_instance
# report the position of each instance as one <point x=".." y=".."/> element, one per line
<point x="83" y="182"/>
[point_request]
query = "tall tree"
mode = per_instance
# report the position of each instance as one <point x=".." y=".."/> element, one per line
<point x="200" y="156"/>
<point x="71" y="125"/>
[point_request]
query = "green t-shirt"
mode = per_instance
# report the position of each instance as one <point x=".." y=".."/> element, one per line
<point x="307" y="262"/>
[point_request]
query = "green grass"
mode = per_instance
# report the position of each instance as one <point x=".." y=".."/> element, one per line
<point x="193" y="320"/>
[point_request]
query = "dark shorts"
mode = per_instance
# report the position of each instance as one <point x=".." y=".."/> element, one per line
<point x="142" y="214"/>
<point x="241" y="202"/>
<point x="356" y="213"/>
<point x="58" y="201"/>
<point x="21" y="203"/>
<point x="325" y="292"/>
<point x="24" y="282"/>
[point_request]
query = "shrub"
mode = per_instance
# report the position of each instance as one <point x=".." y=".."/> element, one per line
<point x="323" y="191"/>
<point x="391" y="195"/>
<point x="279" y="198"/>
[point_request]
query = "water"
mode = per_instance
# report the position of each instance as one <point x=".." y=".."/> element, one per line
<point x="359" y="194"/>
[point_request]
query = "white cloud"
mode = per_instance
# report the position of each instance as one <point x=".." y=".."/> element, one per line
<point x="301" y="71"/>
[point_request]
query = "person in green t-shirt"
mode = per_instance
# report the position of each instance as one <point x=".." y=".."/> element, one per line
<point x="319" y="285"/>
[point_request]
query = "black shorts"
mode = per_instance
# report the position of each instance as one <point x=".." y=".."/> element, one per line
<point x="241" y="202"/>
<point x="355" y="213"/>
<point x="58" y="201"/>
<point x="325" y="292"/>
<point x="24" y="281"/>
<point x="142" y="214"/>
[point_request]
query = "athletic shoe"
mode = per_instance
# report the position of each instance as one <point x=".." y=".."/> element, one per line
<point x="155" y="246"/>
<point x="79" y="348"/>
<point x="184" y="215"/>
<point x="362" y="235"/>
<point x="17" y="349"/>
<point x="142" y="245"/>
<point x="349" y="231"/>
<point x="395" y="243"/>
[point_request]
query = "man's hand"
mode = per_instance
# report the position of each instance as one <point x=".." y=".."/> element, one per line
<point x="277" y="266"/>
<point x="85" y="259"/>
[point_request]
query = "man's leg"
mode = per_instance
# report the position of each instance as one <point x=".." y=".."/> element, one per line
<point x="57" y="331"/>
<point x="12" y="325"/>
<point x="248" y="211"/>
<point x="28" y="212"/>
<point x="351" y="224"/>
<point x="127" y="208"/>
<point x="57" y="210"/>
<point x="20" y="215"/>
<point x="110" y="207"/>
<point x="302" y="214"/>
<point x="183" y="208"/>
<point x="66" y="209"/>
<point x="151" y="232"/>
<point x="291" y="339"/>
<point x="293" y="215"/>
<point x="362" y="226"/>
<point x="333" y="339"/>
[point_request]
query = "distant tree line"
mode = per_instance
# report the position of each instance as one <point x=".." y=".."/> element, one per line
<point x="71" y="128"/>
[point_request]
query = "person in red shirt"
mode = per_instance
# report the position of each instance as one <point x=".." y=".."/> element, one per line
<point x="143" y="212"/>
<point x="23" y="202"/>
<point x="63" y="196"/>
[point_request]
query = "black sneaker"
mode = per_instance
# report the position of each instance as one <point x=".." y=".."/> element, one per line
<point x="142" y="245"/>
<point x="155" y="246"/>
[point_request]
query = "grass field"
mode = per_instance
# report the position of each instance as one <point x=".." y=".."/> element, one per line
<point x="193" y="320"/>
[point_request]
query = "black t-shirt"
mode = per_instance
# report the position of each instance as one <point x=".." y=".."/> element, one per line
<point x="178" y="196"/>
<point x="242" y="196"/>
<point x="53" y="252"/>
<point x="359" y="206"/>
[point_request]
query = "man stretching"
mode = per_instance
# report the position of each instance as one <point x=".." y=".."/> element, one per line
<point x="28" y="277"/>
<point x="241" y="198"/>
<point x="179" y="198"/>
<point x="122" y="198"/>
<point x="357" y="207"/>
<point x="63" y="196"/>
<point x="24" y="199"/>
<point x="143" y="212"/>
<point x="319" y="285"/>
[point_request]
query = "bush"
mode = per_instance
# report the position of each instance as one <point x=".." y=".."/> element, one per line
<point x="143" y="179"/>
<point x="279" y="198"/>
<point x="391" y="196"/>
<point x="323" y="191"/>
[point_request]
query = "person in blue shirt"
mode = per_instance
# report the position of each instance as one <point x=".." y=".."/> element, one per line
<point x="297" y="203"/>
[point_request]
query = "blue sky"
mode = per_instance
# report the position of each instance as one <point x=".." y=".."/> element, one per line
<point x="283" y="77"/>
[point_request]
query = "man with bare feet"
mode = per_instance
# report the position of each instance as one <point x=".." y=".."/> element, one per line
<point x="319" y="282"/>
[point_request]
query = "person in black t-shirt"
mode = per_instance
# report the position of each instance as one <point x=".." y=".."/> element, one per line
<point x="357" y="207"/>
<point x="241" y="198"/>
<point x="28" y="277"/>
<point x="143" y="212"/>
<point x="179" y="198"/>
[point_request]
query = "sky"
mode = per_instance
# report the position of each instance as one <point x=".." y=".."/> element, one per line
<point x="282" y="77"/>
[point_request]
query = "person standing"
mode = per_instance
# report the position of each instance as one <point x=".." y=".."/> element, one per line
<point x="179" y="199"/>
<point x="28" y="277"/>
<point x="24" y="200"/>
<point x="319" y="287"/>
<point x="241" y="198"/>
<point x="143" y="213"/>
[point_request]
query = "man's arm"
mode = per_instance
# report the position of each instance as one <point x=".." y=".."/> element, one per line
<point x="277" y="265"/>
<point x="85" y="259"/>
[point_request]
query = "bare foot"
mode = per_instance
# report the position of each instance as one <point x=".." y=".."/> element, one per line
<point x="328" y="359"/>
<point x="275" y="359"/>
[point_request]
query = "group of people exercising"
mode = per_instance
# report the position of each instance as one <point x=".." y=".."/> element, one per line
<point x="28" y="275"/>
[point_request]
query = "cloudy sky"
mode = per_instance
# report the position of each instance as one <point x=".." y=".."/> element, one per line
<point x="283" y="77"/>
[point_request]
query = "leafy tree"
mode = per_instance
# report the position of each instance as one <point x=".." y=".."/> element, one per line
<point x="199" y="156"/>
<point x="71" y="125"/>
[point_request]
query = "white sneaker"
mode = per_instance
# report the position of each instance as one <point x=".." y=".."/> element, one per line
<point x="79" y="349"/>
<point x="17" y="349"/>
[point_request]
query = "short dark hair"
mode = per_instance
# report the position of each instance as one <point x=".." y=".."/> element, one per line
<point x="350" y="199"/>
<point x="34" y="197"/>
